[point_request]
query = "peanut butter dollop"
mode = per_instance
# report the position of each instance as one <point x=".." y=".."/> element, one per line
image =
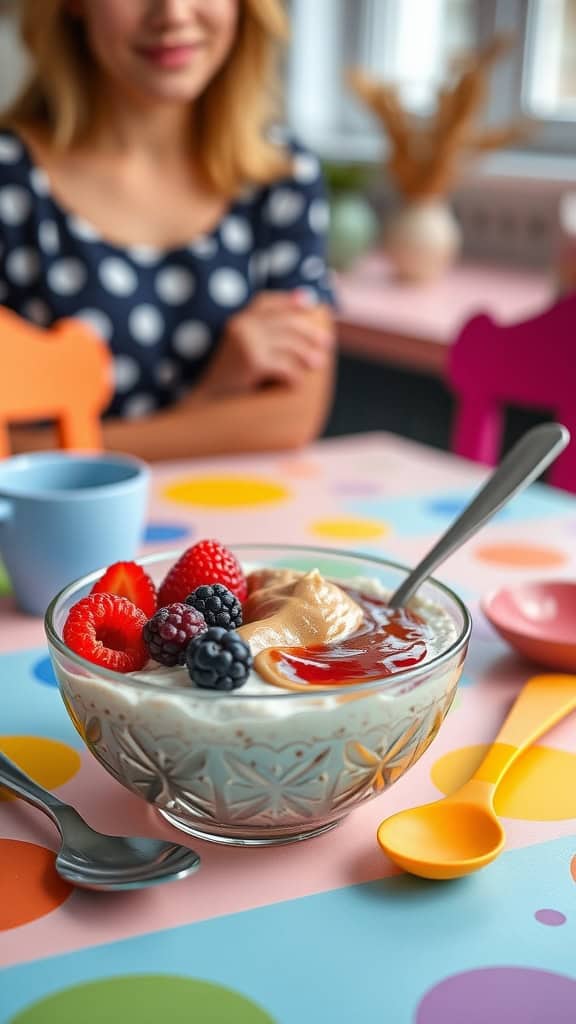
<point x="290" y="609"/>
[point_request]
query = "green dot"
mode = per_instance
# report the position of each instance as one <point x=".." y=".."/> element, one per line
<point x="329" y="567"/>
<point x="5" y="587"/>
<point x="146" y="998"/>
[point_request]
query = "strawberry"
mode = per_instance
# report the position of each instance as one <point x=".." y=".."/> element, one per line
<point x="107" y="630"/>
<point x="127" y="579"/>
<point x="208" y="561"/>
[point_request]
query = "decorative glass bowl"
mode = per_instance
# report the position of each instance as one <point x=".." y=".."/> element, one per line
<point x="261" y="769"/>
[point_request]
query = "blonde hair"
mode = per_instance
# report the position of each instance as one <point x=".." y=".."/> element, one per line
<point x="231" y="115"/>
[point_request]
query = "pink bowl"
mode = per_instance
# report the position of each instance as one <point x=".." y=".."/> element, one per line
<point x="538" y="619"/>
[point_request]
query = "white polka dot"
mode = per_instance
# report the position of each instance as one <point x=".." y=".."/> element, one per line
<point x="37" y="311"/>
<point x="283" y="257"/>
<point x="319" y="216"/>
<point x="10" y="150"/>
<point x="39" y="181"/>
<point x="166" y="372"/>
<point x="174" y="285"/>
<point x="99" y="322"/>
<point x="259" y="267"/>
<point x="145" y="255"/>
<point x="284" y="207"/>
<point x="82" y="229"/>
<point x="138" y="405"/>
<point x="306" y="168"/>
<point x="126" y="373"/>
<point x="313" y="267"/>
<point x="191" y="339"/>
<point x="15" y="204"/>
<point x="117" y="276"/>
<point x="236" y="234"/>
<point x="146" y="324"/>
<point x="22" y="265"/>
<point x="227" y="287"/>
<point x="48" y="236"/>
<point x="67" y="276"/>
<point x="204" y="246"/>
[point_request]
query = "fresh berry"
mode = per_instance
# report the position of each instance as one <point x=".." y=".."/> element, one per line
<point x="217" y="604"/>
<point x="107" y="630"/>
<point x="208" y="561"/>
<point x="170" y="630"/>
<point x="218" y="659"/>
<point x="128" y="579"/>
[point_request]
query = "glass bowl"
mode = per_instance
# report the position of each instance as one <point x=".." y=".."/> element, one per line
<point x="257" y="769"/>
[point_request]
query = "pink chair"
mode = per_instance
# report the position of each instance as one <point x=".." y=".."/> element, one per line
<point x="531" y="364"/>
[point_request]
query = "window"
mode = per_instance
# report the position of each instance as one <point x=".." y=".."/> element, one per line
<point x="417" y="45"/>
<point x="550" y="68"/>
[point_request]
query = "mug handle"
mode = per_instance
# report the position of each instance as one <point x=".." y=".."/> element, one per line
<point x="6" y="510"/>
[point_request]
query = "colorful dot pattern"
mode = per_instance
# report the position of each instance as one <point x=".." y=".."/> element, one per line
<point x="518" y="913"/>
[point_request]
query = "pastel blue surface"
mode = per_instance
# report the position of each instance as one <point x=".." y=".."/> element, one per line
<point x="157" y="533"/>
<point x="28" y="707"/>
<point x="367" y="952"/>
<point x="416" y="515"/>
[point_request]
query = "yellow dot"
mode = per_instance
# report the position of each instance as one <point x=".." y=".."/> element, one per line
<point x="534" y="789"/>
<point x="48" y="762"/>
<point x="226" y="491"/>
<point x="349" y="529"/>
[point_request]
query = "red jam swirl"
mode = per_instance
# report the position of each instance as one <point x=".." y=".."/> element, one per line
<point x="388" y="641"/>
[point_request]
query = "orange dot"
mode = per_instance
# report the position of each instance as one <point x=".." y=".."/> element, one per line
<point x="301" y="468"/>
<point x="573" y="868"/>
<point x="30" y="886"/>
<point x="521" y="556"/>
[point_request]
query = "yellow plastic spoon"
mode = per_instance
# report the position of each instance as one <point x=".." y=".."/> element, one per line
<point x="461" y="833"/>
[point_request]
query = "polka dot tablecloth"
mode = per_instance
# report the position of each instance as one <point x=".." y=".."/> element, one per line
<point x="325" y="930"/>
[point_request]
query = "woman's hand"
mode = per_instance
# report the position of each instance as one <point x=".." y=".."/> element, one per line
<point x="274" y="339"/>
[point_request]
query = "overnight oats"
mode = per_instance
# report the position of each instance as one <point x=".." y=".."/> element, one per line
<point x="260" y="695"/>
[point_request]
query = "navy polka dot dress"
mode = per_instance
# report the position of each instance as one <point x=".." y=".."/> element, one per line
<point x="161" y="312"/>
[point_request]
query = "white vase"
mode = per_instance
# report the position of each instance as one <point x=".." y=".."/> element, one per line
<point x="422" y="240"/>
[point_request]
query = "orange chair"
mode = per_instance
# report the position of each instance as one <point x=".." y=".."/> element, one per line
<point x="530" y="364"/>
<point x="61" y="374"/>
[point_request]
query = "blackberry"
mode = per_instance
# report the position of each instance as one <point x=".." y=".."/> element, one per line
<point x="218" y="659"/>
<point x="170" y="630"/>
<point x="217" y="604"/>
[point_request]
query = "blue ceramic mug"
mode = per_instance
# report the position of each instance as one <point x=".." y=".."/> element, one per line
<point x="63" y="515"/>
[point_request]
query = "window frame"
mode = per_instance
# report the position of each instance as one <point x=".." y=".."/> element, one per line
<point x="551" y="139"/>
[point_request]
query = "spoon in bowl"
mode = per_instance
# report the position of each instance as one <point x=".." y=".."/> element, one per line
<point x="529" y="457"/>
<point x="460" y="834"/>
<point x="91" y="860"/>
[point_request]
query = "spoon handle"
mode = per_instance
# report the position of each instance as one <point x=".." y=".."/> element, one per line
<point x="543" y="701"/>
<point x="532" y="454"/>
<point x="14" y="779"/>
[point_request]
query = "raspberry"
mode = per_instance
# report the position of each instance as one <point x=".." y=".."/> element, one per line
<point x="208" y="561"/>
<point x="218" y="659"/>
<point x="169" y="631"/>
<point x="107" y="630"/>
<point x="128" y="579"/>
<point x="218" y="605"/>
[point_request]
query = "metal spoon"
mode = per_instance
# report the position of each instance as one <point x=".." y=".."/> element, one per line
<point x="91" y="860"/>
<point x="532" y="454"/>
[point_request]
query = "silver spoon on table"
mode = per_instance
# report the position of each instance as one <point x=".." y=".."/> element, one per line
<point x="528" y="458"/>
<point x="92" y="860"/>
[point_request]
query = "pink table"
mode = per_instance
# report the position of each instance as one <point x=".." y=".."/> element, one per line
<point x="412" y="325"/>
<point x="326" y="930"/>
